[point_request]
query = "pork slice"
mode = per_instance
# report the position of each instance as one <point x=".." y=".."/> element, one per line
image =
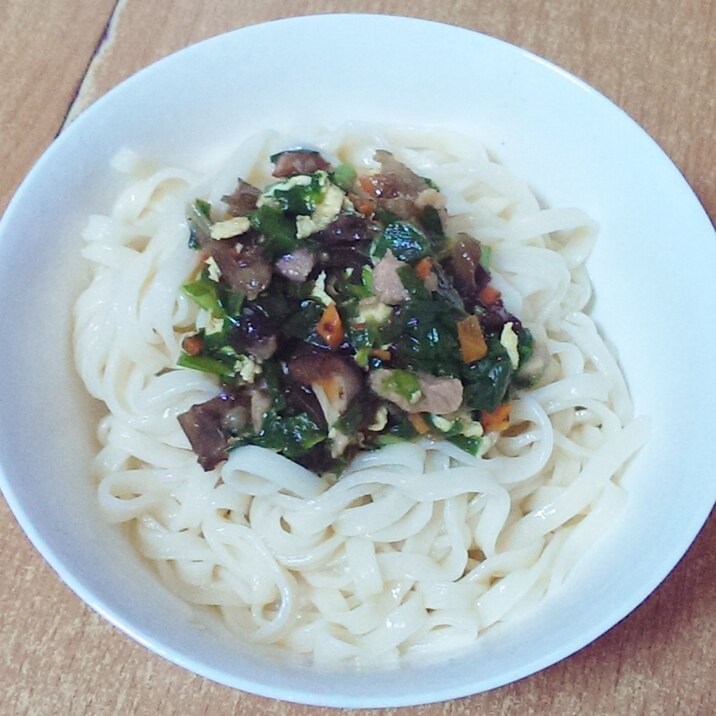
<point x="387" y="286"/>
<point x="438" y="395"/>
<point x="396" y="179"/>
<point x="297" y="265"/>
<point x="441" y="395"/>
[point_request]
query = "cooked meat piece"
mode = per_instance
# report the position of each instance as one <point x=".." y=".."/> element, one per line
<point x="387" y="285"/>
<point x="402" y="206"/>
<point x="297" y="265"/>
<point x="395" y="179"/>
<point x="243" y="199"/>
<point x="298" y="161"/>
<point x="431" y="197"/>
<point x="438" y="395"/>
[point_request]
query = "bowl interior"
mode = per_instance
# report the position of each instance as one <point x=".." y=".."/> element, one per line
<point x="571" y="145"/>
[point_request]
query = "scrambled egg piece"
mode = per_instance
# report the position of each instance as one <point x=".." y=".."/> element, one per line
<point x="231" y="227"/>
<point x="508" y="338"/>
<point x="213" y="325"/>
<point x="326" y="210"/>
<point x="380" y="419"/>
<point x="214" y="270"/>
<point x="247" y="368"/>
<point x="319" y="290"/>
<point x="472" y="429"/>
<point x="371" y="309"/>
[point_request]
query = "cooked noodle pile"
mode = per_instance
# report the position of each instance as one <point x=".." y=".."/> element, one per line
<point x="418" y="547"/>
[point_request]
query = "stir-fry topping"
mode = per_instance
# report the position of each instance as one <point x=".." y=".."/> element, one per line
<point x="339" y="316"/>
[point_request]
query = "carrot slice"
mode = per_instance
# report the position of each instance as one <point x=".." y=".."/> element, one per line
<point x="330" y="327"/>
<point x="380" y="353"/>
<point x="419" y="423"/>
<point x="423" y="268"/>
<point x="368" y="184"/>
<point x="472" y="342"/>
<point x="488" y="295"/>
<point x="363" y="204"/>
<point x="497" y="419"/>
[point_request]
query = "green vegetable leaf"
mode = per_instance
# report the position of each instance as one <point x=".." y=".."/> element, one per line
<point x="430" y="220"/>
<point x="203" y="207"/>
<point x="344" y="176"/>
<point x="278" y="230"/>
<point x="206" y="364"/>
<point x="470" y="445"/>
<point x="486" y="381"/>
<point x="302" y="322"/>
<point x="204" y="293"/>
<point x="399" y="429"/>
<point x="299" y="198"/>
<point x="406" y="242"/>
<point x="404" y="383"/>
<point x="424" y="334"/>
<point x="292" y="436"/>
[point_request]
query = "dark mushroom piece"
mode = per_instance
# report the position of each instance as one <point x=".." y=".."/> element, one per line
<point x="253" y="332"/>
<point x="243" y="268"/>
<point x="298" y="161"/>
<point x="207" y="426"/>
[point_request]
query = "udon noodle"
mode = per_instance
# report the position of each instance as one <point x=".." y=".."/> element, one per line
<point x="418" y="547"/>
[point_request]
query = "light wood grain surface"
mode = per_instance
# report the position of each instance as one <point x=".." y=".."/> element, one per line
<point x="654" y="58"/>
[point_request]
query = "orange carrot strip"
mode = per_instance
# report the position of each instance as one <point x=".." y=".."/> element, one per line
<point x="472" y="342"/>
<point x="418" y="422"/>
<point x="497" y="419"/>
<point x="379" y="353"/>
<point x="330" y="327"/>
<point x="488" y="295"/>
<point x="365" y="207"/>
<point x="363" y="204"/>
<point x="368" y="184"/>
<point x="423" y="268"/>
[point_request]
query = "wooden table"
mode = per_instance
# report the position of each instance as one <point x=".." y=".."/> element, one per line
<point x="654" y="58"/>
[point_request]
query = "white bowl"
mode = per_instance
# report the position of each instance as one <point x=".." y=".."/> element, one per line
<point x="651" y="270"/>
